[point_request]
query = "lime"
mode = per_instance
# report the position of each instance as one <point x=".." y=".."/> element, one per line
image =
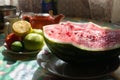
<point x="17" y="46"/>
<point x="21" y="27"/>
<point x="38" y="31"/>
<point x="33" y="41"/>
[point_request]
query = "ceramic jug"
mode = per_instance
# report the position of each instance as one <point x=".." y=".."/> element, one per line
<point x="39" y="20"/>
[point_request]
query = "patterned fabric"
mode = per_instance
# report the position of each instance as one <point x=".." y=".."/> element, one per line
<point x="94" y="9"/>
<point x="74" y="8"/>
<point x="29" y="5"/>
<point x="101" y="9"/>
<point x="16" y="70"/>
<point x="30" y="70"/>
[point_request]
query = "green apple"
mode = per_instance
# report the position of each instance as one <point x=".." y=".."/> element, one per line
<point x="33" y="41"/>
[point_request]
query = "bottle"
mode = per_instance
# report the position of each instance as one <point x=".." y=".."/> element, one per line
<point x="54" y="6"/>
<point x="48" y="5"/>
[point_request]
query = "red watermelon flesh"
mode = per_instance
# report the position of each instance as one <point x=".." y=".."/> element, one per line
<point x="87" y="36"/>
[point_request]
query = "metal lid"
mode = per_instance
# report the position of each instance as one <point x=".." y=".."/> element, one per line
<point x="7" y="7"/>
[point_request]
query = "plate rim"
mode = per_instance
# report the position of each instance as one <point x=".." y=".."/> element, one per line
<point x="46" y="65"/>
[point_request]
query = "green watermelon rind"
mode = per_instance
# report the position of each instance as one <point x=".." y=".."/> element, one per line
<point x="71" y="53"/>
<point x="82" y="47"/>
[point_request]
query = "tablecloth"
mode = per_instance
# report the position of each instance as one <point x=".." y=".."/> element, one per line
<point x="15" y="70"/>
<point x="29" y="69"/>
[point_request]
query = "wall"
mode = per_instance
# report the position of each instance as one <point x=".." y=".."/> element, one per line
<point x="101" y="9"/>
<point x="9" y="2"/>
<point x="74" y="8"/>
<point x="30" y="5"/>
<point x="115" y="17"/>
<point x="105" y="10"/>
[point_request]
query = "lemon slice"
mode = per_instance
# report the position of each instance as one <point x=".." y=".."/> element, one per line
<point x="21" y="28"/>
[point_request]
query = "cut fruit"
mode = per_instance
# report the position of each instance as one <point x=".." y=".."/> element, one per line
<point x="10" y="38"/>
<point x="38" y="31"/>
<point x="33" y="41"/>
<point x="17" y="46"/>
<point x="21" y="28"/>
<point x="82" y="42"/>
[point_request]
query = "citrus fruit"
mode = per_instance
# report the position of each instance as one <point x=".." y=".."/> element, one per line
<point x="10" y="38"/>
<point x="17" y="46"/>
<point x="21" y="27"/>
<point x="33" y="41"/>
<point x="38" y="31"/>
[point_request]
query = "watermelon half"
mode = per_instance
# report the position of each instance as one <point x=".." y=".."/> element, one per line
<point x="82" y="42"/>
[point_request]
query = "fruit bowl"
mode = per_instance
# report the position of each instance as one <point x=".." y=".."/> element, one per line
<point x="25" y="55"/>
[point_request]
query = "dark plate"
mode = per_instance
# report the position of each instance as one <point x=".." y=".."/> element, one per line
<point x="94" y="69"/>
<point x="19" y="55"/>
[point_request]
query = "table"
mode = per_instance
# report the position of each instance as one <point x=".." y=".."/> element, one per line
<point x="30" y="70"/>
<point x="15" y="70"/>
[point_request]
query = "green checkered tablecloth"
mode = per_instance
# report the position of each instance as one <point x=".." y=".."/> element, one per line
<point x="30" y="70"/>
<point x="19" y="69"/>
<point x="15" y="70"/>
